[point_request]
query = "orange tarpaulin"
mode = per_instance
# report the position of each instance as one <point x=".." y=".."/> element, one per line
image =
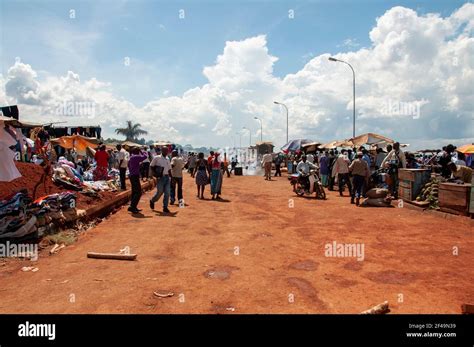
<point x="78" y="142"/>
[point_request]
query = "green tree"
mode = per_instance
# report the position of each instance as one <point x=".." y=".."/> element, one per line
<point x="131" y="131"/>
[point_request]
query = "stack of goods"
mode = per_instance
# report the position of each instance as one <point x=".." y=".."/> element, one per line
<point x="377" y="197"/>
<point x="429" y="193"/>
<point x="58" y="208"/>
<point x="15" y="219"/>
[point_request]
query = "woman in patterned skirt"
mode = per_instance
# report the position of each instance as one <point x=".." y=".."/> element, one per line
<point x="200" y="172"/>
<point x="216" y="177"/>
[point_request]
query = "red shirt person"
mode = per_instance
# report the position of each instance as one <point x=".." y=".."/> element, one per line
<point x="102" y="159"/>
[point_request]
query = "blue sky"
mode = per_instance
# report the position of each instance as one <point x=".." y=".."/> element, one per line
<point x="167" y="53"/>
<point x="201" y="79"/>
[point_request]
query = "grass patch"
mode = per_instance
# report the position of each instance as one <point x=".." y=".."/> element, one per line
<point x="66" y="237"/>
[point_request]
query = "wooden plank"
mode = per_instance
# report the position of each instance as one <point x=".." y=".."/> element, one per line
<point x="405" y="193"/>
<point x="406" y="174"/>
<point x="115" y="256"/>
<point x="414" y="175"/>
<point x="405" y="184"/>
<point x="455" y="187"/>
<point x="421" y="203"/>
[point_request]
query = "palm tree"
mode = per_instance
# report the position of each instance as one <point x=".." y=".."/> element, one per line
<point x="131" y="132"/>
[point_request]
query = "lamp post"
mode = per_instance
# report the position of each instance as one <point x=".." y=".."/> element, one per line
<point x="353" y="93"/>
<point x="261" y="128"/>
<point x="240" y="139"/>
<point x="250" y="134"/>
<point x="286" y="108"/>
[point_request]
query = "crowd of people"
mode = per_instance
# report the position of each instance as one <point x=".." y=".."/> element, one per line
<point x="352" y="168"/>
<point x="349" y="168"/>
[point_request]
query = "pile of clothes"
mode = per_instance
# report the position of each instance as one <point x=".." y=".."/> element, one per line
<point x="20" y="216"/>
<point x="15" y="219"/>
<point x="65" y="175"/>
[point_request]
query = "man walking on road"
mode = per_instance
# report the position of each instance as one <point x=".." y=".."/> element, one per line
<point x="162" y="168"/>
<point x="267" y="164"/>
<point x="341" y="169"/>
<point x="191" y="163"/>
<point x="177" y="165"/>
<point x="394" y="161"/>
<point x="123" y="157"/>
<point x="360" y="174"/>
<point x="278" y="162"/>
<point x="134" y="176"/>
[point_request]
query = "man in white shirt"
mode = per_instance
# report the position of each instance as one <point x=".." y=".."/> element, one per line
<point x="161" y="166"/>
<point x="341" y="169"/>
<point x="267" y="164"/>
<point x="303" y="168"/>
<point x="123" y="157"/>
<point x="395" y="160"/>
<point x="310" y="158"/>
<point x="177" y="166"/>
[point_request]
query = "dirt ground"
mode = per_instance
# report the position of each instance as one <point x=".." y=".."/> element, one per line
<point x="253" y="253"/>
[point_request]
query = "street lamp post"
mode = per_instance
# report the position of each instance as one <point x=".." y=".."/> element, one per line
<point x="286" y="108"/>
<point x="240" y="139"/>
<point x="261" y="128"/>
<point x="353" y="93"/>
<point x="250" y="134"/>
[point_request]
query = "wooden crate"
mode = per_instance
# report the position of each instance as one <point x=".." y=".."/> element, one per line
<point x="405" y="190"/>
<point x="417" y="177"/>
<point x="405" y="193"/>
<point x="414" y="175"/>
<point x="454" y="198"/>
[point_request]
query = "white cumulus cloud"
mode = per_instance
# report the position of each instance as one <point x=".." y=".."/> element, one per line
<point x="413" y="83"/>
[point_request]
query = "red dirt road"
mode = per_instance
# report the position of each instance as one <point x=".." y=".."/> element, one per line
<point x="253" y="254"/>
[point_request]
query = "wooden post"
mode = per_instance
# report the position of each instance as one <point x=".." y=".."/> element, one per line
<point x="116" y="256"/>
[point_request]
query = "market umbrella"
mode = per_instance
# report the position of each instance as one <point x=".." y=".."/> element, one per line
<point x="131" y="144"/>
<point x="335" y="144"/>
<point x="294" y="145"/>
<point x="312" y="146"/>
<point x="370" y="139"/>
<point x="162" y="143"/>
<point x="466" y="149"/>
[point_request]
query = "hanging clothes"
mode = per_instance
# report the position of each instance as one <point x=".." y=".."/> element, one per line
<point x="8" y="169"/>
